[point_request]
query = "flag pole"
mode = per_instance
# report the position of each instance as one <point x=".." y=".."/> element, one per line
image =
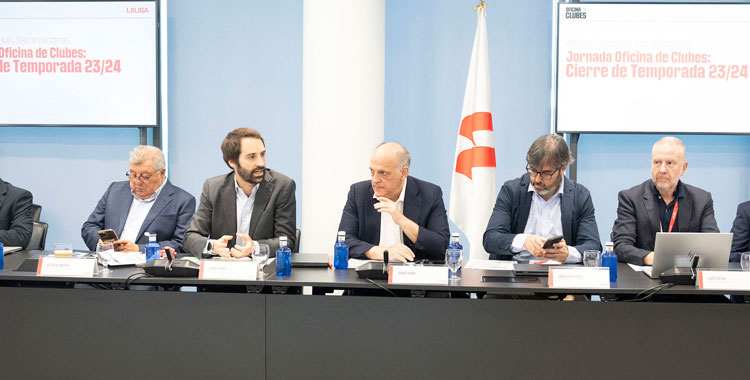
<point x="480" y="6"/>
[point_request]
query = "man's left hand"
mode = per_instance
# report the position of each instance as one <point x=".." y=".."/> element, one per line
<point x="126" y="246"/>
<point x="390" y="207"/>
<point x="239" y="251"/>
<point x="558" y="252"/>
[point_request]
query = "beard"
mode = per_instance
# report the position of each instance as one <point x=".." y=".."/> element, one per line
<point x="253" y="176"/>
<point x="547" y="190"/>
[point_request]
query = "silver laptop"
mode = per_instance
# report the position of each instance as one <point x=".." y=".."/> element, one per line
<point x="671" y="249"/>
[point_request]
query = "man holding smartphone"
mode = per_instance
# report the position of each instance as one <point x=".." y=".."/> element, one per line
<point x="147" y="202"/>
<point x="543" y="205"/>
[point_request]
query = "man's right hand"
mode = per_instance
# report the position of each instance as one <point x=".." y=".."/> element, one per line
<point x="648" y="259"/>
<point x="219" y="246"/>
<point x="533" y="244"/>
<point x="396" y="252"/>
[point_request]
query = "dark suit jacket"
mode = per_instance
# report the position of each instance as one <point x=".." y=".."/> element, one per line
<point x="638" y="221"/>
<point x="274" y="213"/>
<point x="168" y="217"/>
<point x="511" y="213"/>
<point x="741" y="231"/>
<point x="423" y="204"/>
<point x="15" y="215"/>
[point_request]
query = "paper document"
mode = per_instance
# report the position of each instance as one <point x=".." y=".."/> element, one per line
<point x="638" y="268"/>
<point x="353" y="263"/>
<point x="7" y="250"/>
<point x="490" y="264"/>
<point x="115" y="259"/>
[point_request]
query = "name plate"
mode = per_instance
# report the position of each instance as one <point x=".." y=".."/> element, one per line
<point x="407" y="274"/>
<point x="228" y="270"/>
<point x="597" y="278"/>
<point x="57" y="266"/>
<point x="723" y="280"/>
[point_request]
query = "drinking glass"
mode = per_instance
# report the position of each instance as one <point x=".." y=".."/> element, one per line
<point x="104" y="251"/>
<point x="261" y="256"/>
<point x="592" y="258"/>
<point x="454" y="259"/>
<point x="745" y="260"/>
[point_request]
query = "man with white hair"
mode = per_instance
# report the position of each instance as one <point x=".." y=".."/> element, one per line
<point x="147" y="202"/>
<point x="660" y="204"/>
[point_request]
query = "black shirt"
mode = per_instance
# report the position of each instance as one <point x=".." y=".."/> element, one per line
<point x="665" y="210"/>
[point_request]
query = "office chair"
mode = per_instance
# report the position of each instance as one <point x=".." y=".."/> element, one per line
<point x="38" y="236"/>
<point x="36" y="212"/>
<point x="297" y="234"/>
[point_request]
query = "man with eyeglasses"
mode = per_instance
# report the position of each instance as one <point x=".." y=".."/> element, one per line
<point x="541" y="204"/>
<point x="662" y="203"/>
<point x="147" y="202"/>
<point x="394" y="211"/>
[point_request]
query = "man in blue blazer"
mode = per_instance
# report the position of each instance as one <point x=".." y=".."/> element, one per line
<point x="395" y="212"/>
<point x="541" y="204"/>
<point x="148" y="202"/>
<point x="741" y="231"/>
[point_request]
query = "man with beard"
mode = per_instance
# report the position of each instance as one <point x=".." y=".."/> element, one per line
<point x="541" y="204"/>
<point x="249" y="206"/>
<point x="660" y="204"/>
<point x="147" y="202"/>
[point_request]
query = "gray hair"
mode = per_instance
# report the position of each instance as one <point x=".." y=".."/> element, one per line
<point x="673" y="141"/>
<point x="403" y="155"/>
<point x="143" y="153"/>
<point x="549" y="149"/>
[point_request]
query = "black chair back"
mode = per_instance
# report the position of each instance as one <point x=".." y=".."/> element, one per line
<point x="297" y="234"/>
<point x="38" y="236"/>
<point x="36" y="212"/>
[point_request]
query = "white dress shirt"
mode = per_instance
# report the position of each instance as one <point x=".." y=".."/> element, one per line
<point x="139" y="209"/>
<point x="390" y="232"/>
<point x="545" y="220"/>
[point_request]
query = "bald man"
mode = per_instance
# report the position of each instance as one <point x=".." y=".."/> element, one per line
<point x="394" y="211"/>
<point x="661" y="204"/>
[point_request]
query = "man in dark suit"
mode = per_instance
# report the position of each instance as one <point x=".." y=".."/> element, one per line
<point x="660" y="204"/>
<point x="15" y="215"/>
<point x="148" y="202"/>
<point x="741" y="231"/>
<point x="252" y="204"/>
<point x="395" y="212"/>
<point x="541" y="204"/>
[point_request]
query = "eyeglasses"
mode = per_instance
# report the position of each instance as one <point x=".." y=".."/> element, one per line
<point x="546" y="175"/>
<point x="139" y="177"/>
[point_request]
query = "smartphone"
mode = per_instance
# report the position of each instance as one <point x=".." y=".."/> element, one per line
<point x="552" y="241"/>
<point x="107" y="235"/>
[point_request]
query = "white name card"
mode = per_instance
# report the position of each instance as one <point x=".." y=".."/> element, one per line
<point x="228" y="270"/>
<point x="62" y="266"/>
<point x="723" y="280"/>
<point x="407" y="274"/>
<point x="597" y="278"/>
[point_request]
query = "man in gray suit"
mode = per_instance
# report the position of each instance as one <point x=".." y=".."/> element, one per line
<point x="660" y="204"/>
<point x="249" y="206"/>
<point x="15" y="215"/>
<point x="147" y="202"/>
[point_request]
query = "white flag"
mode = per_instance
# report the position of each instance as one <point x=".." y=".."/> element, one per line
<point x="473" y="186"/>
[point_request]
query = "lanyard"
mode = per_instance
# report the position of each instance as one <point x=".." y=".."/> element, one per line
<point x="674" y="215"/>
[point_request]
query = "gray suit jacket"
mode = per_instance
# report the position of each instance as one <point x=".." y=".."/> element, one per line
<point x="274" y="213"/>
<point x="638" y="222"/>
<point x="15" y="215"/>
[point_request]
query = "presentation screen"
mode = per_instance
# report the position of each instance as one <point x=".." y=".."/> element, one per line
<point x="86" y="63"/>
<point x="653" y="68"/>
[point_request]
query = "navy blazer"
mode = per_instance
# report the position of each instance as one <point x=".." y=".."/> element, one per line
<point x="511" y="213"/>
<point x="15" y="215"/>
<point x="168" y="217"/>
<point x="423" y="204"/>
<point x="741" y="231"/>
<point x="634" y="231"/>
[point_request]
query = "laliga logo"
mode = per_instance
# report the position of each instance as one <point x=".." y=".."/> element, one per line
<point x="136" y="10"/>
<point x="575" y="12"/>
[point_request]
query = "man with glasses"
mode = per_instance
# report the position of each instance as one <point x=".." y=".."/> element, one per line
<point x="662" y="203"/>
<point x="394" y="211"/>
<point x="147" y="202"/>
<point x="541" y="204"/>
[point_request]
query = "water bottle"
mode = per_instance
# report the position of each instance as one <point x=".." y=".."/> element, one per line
<point x="2" y="256"/>
<point x="152" y="248"/>
<point x="453" y="245"/>
<point x="283" y="258"/>
<point x="609" y="260"/>
<point x="341" y="252"/>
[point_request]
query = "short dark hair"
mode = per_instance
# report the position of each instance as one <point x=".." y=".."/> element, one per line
<point x="549" y="148"/>
<point x="232" y="144"/>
